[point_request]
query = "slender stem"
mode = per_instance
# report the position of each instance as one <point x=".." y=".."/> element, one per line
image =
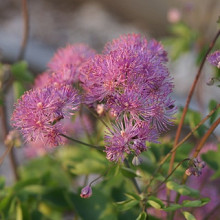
<point x="5" y="133"/>
<point x="189" y="99"/>
<point x="205" y="137"/>
<point x="5" y="153"/>
<point x="133" y="179"/>
<point x="84" y="126"/>
<point x="25" y="29"/>
<point x="83" y="143"/>
<point x="181" y="142"/>
<point x="96" y="116"/>
<point x="106" y="171"/>
<point x="157" y="187"/>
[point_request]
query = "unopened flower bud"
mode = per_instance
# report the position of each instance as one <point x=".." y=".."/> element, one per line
<point x="198" y="172"/>
<point x="195" y="160"/>
<point x="13" y="138"/>
<point x="173" y="15"/>
<point x="210" y="82"/>
<point x="188" y="172"/>
<point x="100" y="109"/>
<point x="202" y="164"/>
<point x="86" y="192"/>
<point x="137" y="161"/>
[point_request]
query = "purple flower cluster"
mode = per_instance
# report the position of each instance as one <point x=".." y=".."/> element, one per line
<point x="129" y="79"/>
<point x="214" y="58"/>
<point x="38" y="112"/>
<point x="132" y="80"/>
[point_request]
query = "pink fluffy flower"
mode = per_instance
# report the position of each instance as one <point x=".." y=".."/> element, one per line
<point x="128" y="138"/>
<point x="39" y="112"/>
<point x="42" y="80"/>
<point x="67" y="61"/>
<point x="131" y="77"/>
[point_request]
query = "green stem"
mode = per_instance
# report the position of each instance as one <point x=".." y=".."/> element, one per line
<point x="83" y="143"/>
<point x="133" y="179"/>
<point x="155" y="190"/>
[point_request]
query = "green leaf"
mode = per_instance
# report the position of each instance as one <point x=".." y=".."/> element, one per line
<point x="212" y="159"/>
<point x="127" y="172"/>
<point x="182" y="189"/>
<point x="142" y="216"/>
<point x="18" y="89"/>
<point x="188" y="203"/>
<point x="155" y="202"/>
<point x="114" y="170"/>
<point x="194" y="119"/>
<point x="172" y="207"/>
<point x="35" y="189"/>
<point x="188" y="216"/>
<point x="19" y="215"/>
<point x="180" y="29"/>
<point x="126" y="205"/>
<point x="2" y="183"/>
<point x="133" y="196"/>
<point x="21" y="73"/>
<point x="213" y="104"/>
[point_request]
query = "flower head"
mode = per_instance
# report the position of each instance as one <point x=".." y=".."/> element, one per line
<point x="131" y="78"/>
<point x="42" y="80"/>
<point x="38" y="113"/>
<point x="174" y="15"/>
<point x="67" y="61"/>
<point x="214" y="58"/>
<point x="128" y="137"/>
<point x="86" y="192"/>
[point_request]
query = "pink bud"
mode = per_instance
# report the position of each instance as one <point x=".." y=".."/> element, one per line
<point x="173" y="15"/>
<point x="100" y="109"/>
<point x="188" y="172"/>
<point x="210" y="82"/>
<point x="86" y="192"/>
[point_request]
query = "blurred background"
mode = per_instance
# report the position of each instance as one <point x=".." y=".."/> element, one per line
<point x="55" y="23"/>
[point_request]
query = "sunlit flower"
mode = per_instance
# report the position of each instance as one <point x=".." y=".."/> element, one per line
<point x="131" y="78"/>
<point x="128" y="138"/>
<point x="38" y="113"/>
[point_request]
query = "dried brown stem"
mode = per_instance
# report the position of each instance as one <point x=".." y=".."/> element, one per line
<point x="205" y="137"/>
<point x="5" y="130"/>
<point x="25" y="29"/>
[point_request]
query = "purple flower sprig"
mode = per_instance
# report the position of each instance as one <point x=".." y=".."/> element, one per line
<point x="131" y="77"/>
<point x="128" y="137"/>
<point x="214" y="59"/>
<point x="39" y="112"/>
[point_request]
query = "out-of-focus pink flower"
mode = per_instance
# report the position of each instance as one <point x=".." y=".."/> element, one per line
<point x="42" y="80"/>
<point x="174" y="15"/>
<point x="67" y="61"/>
